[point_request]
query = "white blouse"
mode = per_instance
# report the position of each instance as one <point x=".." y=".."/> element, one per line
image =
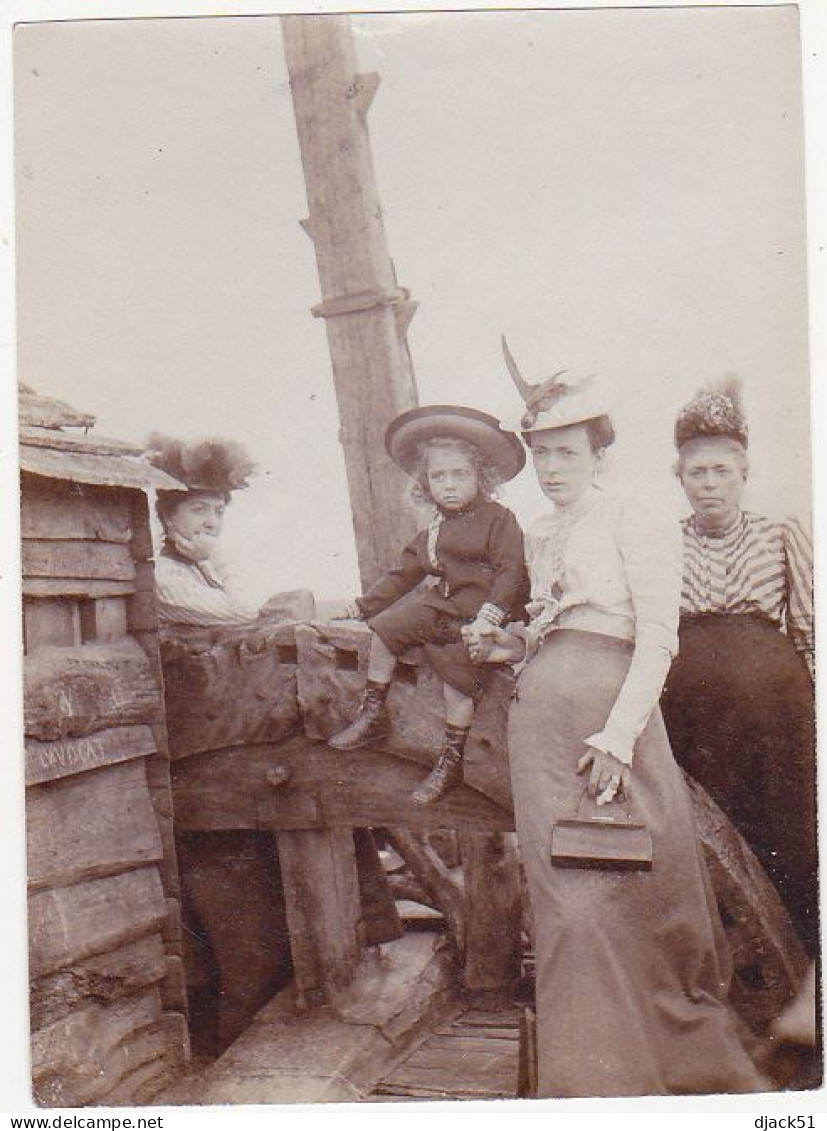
<point x="200" y="595"/>
<point x="611" y="563"/>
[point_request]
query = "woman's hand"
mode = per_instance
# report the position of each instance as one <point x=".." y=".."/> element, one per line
<point x="610" y="778"/>
<point x="488" y="644"/>
<point x="351" y="611"/>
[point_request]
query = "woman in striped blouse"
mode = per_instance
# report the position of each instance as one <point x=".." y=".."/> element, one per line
<point x="738" y="702"/>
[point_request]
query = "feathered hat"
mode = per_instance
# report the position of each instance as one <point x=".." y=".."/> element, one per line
<point x="404" y="435"/>
<point x="715" y="410"/>
<point x="218" y="466"/>
<point x="560" y="400"/>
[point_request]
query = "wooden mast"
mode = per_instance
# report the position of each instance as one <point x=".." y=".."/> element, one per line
<point x="366" y="313"/>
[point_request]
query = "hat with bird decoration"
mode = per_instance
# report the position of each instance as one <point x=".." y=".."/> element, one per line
<point x="415" y="427"/>
<point x="715" y="410"/>
<point x="214" y="465"/>
<point x="563" y="399"/>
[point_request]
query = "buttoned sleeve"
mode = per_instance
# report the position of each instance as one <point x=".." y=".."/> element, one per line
<point x="507" y="560"/>
<point x="798" y="558"/>
<point x="396" y="582"/>
<point x="650" y="546"/>
<point x="185" y="596"/>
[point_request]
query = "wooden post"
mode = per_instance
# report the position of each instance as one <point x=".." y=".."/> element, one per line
<point x="365" y="311"/>
<point x="492" y="891"/>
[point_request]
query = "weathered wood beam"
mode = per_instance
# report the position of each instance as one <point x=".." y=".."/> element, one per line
<point x="91" y="825"/>
<point x="435" y="878"/>
<point x="77" y="691"/>
<point x="371" y="363"/>
<point x="321" y="891"/>
<point x="67" y="925"/>
<point x="492" y="894"/>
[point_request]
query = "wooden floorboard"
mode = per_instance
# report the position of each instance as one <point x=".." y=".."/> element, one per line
<point x="473" y="1057"/>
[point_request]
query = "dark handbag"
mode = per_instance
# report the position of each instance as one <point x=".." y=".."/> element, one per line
<point x="611" y="843"/>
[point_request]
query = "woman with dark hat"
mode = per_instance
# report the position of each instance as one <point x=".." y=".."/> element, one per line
<point x="738" y="702"/>
<point x="631" y="966"/>
<point x="472" y="552"/>
<point x="192" y="588"/>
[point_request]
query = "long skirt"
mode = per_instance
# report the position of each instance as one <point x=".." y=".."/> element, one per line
<point x="739" y="709"/>
<point x="632" y="968"/>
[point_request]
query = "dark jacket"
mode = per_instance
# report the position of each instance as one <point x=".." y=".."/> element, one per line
<point x="480" y="552"/>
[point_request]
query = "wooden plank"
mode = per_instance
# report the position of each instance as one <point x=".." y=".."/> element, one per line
<point x="481" y="1064"/>
<point x="321" y="890"/>
<point x="80" y="1058"/>
<point x="229" y="789"/>
<point x="457" y="1042"/>
<point x="70" y="692"/>
<point x="75" y="587"/>
<point x="103" y="619"/>
<point x="56" y="511"/>
<point x="51" y="620"/>
<point x="491" y="874"/>
<point x="140" y="546"/>
<point x="143" y="1084"/>
<point x="142" y="611"/>
<point x="91" y="825"/>
<point x="505" y="1016"/>
<point x="67" y="925"/>
<point x="491" y="1032"/>
<point x="107" y="561"/>
<point x="49" y="761"/>
<point x="454" y="1081"/>
<point x="117" y="973"/>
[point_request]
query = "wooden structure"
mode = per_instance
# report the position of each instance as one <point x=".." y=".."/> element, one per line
<point x="107" y="993"/>
<point x="223" y="780"/>
<point x="366" y="313"/>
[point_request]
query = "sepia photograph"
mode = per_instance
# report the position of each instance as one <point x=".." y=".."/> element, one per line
<point x="415" y="628"/>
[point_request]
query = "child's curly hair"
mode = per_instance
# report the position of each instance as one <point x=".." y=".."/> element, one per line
<point x="488" y="476"/>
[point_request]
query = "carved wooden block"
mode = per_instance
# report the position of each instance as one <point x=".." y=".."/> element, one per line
<point x="227" y="687"/>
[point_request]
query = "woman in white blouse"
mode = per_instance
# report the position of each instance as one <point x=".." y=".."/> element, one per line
<point x="631" y="967"/>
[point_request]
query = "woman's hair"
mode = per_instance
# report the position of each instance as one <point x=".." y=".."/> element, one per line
<point x="488" y="476"/>
<point x="167" y="502"/>
<point x="735" y="447"/>
<point x="599" y="430"/>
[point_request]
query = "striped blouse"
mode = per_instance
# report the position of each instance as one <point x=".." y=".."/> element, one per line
<point x="758" y="566"/>
<point x="199" y="595"/>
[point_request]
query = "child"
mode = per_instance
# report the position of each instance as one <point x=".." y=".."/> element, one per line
<point x="473" y="552"/>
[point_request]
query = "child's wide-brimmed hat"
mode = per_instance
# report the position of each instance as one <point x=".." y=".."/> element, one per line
<point x="217" y="466"/>
<point x="563" y="399"/>
<point x="715" y="410"/>
<point x="444" y="421"/>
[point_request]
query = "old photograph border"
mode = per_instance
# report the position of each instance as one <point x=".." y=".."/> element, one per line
<point x="15" y="1090"/>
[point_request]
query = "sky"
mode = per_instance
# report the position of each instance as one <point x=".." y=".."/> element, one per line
<point x="621" y="191"/>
